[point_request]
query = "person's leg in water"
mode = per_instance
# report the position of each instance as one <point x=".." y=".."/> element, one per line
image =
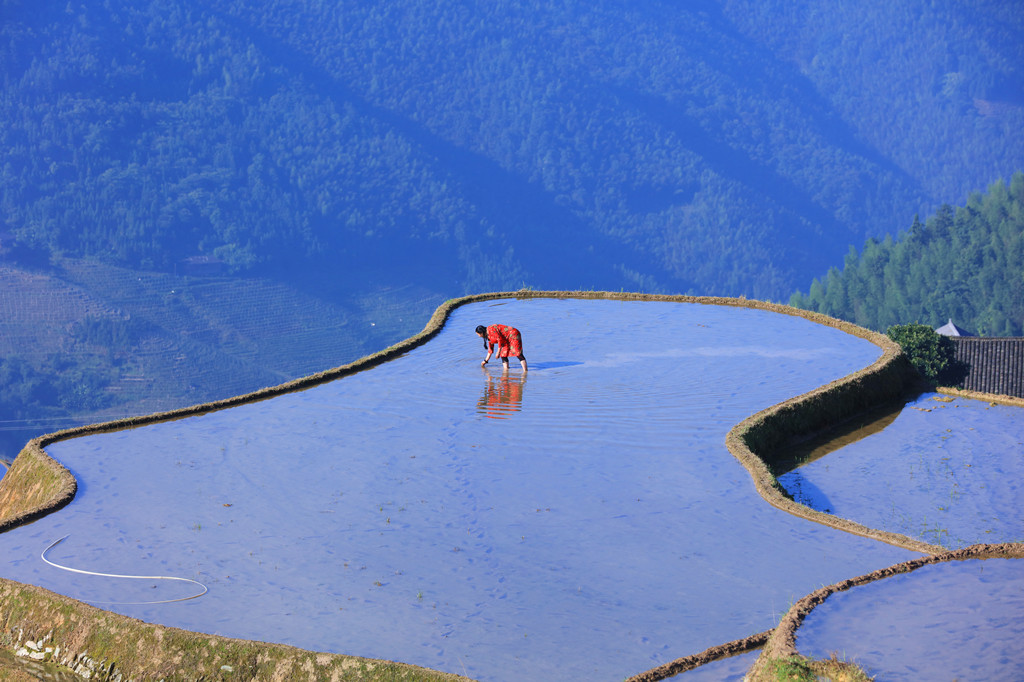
<point x="515" y="343"/>
<point x="504" y="365"/>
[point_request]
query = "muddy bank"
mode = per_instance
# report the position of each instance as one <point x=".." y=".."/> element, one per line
<point x="984" y="397"/>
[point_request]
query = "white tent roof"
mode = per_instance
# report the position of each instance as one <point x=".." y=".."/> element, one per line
<point x="950" y="329"/>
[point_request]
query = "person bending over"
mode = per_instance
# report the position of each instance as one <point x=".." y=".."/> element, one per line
<point x="508" y="340"/>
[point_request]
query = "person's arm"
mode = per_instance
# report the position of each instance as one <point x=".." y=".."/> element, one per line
<point x="490" y="350"/>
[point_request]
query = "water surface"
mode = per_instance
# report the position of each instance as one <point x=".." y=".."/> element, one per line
<point x="949" y="471"/>
<point x="586" y="522"/>
<point x="957" y="620"/>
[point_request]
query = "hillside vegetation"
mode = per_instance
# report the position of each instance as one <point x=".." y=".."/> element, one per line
<point x="966" y="264"/>
<point x="727" y="148"/>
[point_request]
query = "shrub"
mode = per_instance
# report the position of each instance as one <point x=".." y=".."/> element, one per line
<point x="930" y="353"/>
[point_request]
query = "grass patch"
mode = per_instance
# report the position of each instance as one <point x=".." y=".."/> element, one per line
<point x="791" y="669"/>
<point x="801" y="669"/>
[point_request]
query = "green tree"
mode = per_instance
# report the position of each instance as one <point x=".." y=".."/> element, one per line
<point x="929" y="352"/>
<point x="966" y="264"/>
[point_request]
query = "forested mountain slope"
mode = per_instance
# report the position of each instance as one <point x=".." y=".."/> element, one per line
<point x="964" y="264"/>
<point x="343" y="155"/>
<point x="936" y="87"/>
<point x="732" y="147"/>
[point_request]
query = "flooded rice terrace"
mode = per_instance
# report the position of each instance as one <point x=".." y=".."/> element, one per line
<point x="957" y="620"/>
<point x="948" y="471"/>
<point x="586" y="521"/>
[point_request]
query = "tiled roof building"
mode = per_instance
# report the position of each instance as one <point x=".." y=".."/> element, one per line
<point x="992" y="365"/>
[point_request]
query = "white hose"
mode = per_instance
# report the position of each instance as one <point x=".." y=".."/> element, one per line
<point x="129" y="577"/>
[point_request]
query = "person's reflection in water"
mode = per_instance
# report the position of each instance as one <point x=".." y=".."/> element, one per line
<point x="502" y="396"/>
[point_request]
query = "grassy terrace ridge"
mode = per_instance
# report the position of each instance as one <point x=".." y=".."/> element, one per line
<point x="109" y="646"/>
<point x="37" y="485"/>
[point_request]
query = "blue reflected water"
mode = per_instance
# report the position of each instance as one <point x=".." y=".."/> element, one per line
<point x="585" y="522"/>
<point x="958" y="620"/>
<point x="949" y="471"/>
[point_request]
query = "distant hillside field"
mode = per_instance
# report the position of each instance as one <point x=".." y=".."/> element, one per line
<point x="87" y="341"/>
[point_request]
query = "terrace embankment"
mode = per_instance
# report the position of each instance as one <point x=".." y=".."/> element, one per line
<point x="34" y="486"/>
<point x="764" y="439"/>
